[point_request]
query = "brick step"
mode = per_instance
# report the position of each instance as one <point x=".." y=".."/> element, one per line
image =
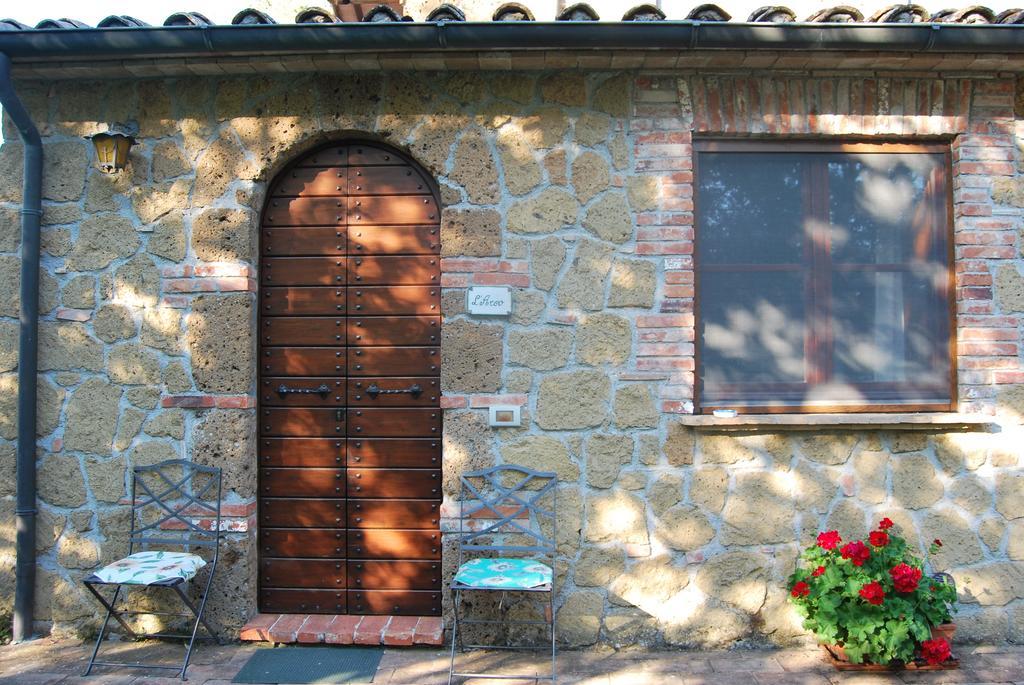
<point x="393" y="631"/>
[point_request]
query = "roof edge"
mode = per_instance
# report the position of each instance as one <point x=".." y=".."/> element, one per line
<point x="147" y="42"/>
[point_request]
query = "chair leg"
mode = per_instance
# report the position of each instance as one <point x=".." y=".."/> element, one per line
<point x="106" y="620"/>
<point x="455" y="632"/>
<point x="110" y="607"/>
<point x="551" y="620"/>
<point x="200" y="618"/>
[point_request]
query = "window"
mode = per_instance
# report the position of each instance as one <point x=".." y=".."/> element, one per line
<point x="823" y="276"/>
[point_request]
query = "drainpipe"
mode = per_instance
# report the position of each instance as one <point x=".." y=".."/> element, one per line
<point x="31" y="211"/>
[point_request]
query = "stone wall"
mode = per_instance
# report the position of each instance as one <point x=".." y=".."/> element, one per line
<point x="575" y="189"/>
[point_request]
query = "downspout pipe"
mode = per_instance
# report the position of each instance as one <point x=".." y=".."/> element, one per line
<point x="28" y="356"/>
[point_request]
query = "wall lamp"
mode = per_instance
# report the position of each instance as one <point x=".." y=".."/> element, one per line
<point x="112" y="150"/>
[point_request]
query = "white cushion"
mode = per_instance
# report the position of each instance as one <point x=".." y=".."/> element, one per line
<point x="147" y="568"/>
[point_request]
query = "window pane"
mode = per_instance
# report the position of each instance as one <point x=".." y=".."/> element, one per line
<point x="751" y="208"/>
<point x="877" y="207"/>
<point x="890" y="327"/>
<point x="752" y="327"/>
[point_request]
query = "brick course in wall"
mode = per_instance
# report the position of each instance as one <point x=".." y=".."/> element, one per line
<point x="576" y="190"/>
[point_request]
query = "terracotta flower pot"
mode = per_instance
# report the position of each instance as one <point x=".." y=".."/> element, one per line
<point x="836" y="652"/>
<point x="836" y="655"/>
<point x="945" y="631"/>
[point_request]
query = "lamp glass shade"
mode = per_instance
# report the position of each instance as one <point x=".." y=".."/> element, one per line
<point x="112" y="151"/>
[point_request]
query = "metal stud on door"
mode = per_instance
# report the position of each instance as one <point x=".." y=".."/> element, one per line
<point x="350" y="420"/>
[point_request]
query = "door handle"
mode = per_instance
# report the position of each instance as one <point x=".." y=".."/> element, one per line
<point x="373" y="391"/>
<point x="285" y="390"/>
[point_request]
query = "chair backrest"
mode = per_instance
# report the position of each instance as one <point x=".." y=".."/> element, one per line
<point x="176" y="503"/>
<point x="508" y="508"/>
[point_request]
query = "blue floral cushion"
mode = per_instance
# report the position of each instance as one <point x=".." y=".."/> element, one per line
<point x="503" y="573"/>
<point x="147" y="568"/>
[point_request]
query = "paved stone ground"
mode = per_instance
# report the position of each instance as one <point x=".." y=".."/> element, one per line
<point x="48" y="662"/>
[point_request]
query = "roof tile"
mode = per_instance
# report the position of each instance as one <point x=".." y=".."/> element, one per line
<point x="187" y="19"/>
<point x="512" y="11"/>
<point x="581" y="11"/>
<point x="252" y="16"/>
<point x="120" y="21"/>
<point x="362" y="11"/>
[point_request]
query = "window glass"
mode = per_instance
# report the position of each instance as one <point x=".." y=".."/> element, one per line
<point x="752" y="209"/>
<point x="883" y="331"/>
<point x="823" y="277"/>
<point x="874" y="203"/>
<point x="752" y="325"/>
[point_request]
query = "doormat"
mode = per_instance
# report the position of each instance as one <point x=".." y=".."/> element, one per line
<point x="319" y="665"/>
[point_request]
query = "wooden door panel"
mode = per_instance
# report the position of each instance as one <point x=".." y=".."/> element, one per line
<point x="395" y="452"/>
<point x="312" y="181"/>
<point x="285" y="601"/>
<point x="280" y="391"/>
<point x="306" y="211"/>
<point x="398" y="361"/>
<point x="301" y="452"/>
<point x="303" y="330"/>
<point x="392" y="392"/>
<point x="394" y="209"/>
<point x="361" y="155"/>
<point x="303" y="422"/>
<point x="394" y="330"/>
<point x="302" y="513"/>
<point x="303" y="271"/>
<point x="303" y="241"/>
<point x="332" y="156"/>
<point x="394" y="483"/>
<point x="370" y="240"/>
<point x="395" y="575"/>
<point x="390" y="423"/>
<point x="349" y="306"/>
<point x="393" y="271"/>
<point x="413" y="514"/>
<point x="307" y="361"/>
<point x="308" y="301"/>
<point x="395" y="602"/>
<point x="385" y="180"/>
<point x="302" y="482"/>
<point x="394" y="299"/>
<point x="303" y="573"/>
<point x="394" y="544"/>
<point x="303" y="542"/>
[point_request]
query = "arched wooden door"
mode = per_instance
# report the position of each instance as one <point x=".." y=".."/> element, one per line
<point x="349" y="392"/>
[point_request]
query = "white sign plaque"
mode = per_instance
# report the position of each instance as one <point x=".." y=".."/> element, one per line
<point x="489" y="300"/>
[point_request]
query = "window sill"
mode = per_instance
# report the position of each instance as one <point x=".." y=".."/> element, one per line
<point x="919" y="421"/>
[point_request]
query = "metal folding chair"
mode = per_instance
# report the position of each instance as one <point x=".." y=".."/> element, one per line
<point x="507" y="525"/>
<point x="170" y="503"/>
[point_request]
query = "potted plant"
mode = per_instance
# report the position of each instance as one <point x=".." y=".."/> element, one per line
<point x="870" y="602"/>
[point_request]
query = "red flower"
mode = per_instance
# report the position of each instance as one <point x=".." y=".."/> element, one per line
<point x="885" y="524"/>
<point x="937" y="542"/>
<point x="857" y="552"/>
<point x="829" y="540"/>
<point x="879" y="538"/>
<point x="905" y="578"/>
<point x="935" y="651"/>
<point x="801" y="589"/>
<point x="873" y="593"/>
<point x="818" y="571"/>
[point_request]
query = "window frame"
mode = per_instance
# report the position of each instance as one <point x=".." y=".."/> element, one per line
<point x="848" y="146"/>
